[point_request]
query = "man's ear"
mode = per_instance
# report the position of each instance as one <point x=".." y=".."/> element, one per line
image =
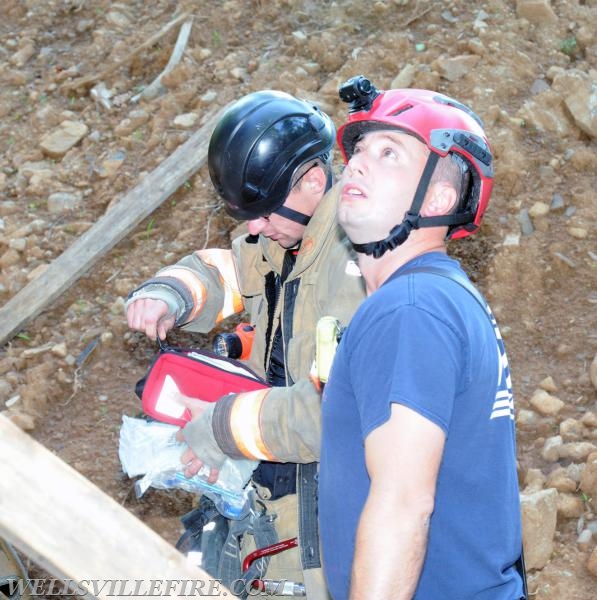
<point x="315" y="179"/>
<point x="441" y="200"/>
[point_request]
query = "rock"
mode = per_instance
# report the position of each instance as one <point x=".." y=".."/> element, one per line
<point x="526" y="419"/>
<point x="59" y="350"/>
<point x="312" y="68"/>
<point x="580" y="233"/>
<point x="239" y="73"/>
<point x="18" y="244"/>
<point x="588" y="478"/>
<point x="136" y="119"/>
<point x="30" y="168"/>
<point x="581" y="99"/>
<point x="299" y="36"/>
<point x="570" y="506"/>
<point x="572" y="430"/>
<point x="512" y="239"/>
<point x="526" y="225"/>
<point x="186" y="121"/>
<point x="584" y="540"/>
<point x="106" y="337"/>
<point x="47" y="116"/>
<point x="589" y="419"/>
<point x="577" y="451"/>
<point x="551" y="449"/>
<point x="14" y="77"/>
<point x="592" y="563"/>
<point x="111" y="165"/>
<point x="117" y="18"/>
<point x="20" y="419"/>
<point x="5" y="390"/>
<point x="539" y="85"/>
<point x="557" y="204"/>
<point x="101" y="94"/>
<point x="534" y="480"/>
<point x="454" y="68"/>
<point x="548" y="385"/>
<point x="60" y="202"/>
<point x="592" y="527"/>
<point x="405" y="78"/>
<point x="545" y="403"/>
<point x="23" y="54"/>
<point x="62" y="139"/>
<point x="539" y="209"/>
<point x="538" y="12"/>
<point x="208" y="97"/>
<point x="539" y="517"/>
<point x="561" y="481"/>
<point x="9" y="258"/>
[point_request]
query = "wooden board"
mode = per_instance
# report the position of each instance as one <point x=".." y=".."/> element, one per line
<point x="73" y="530"/>
<point x="119" y="220"/>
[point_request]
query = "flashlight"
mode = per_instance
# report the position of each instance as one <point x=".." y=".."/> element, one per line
<point x="237" y="344"/>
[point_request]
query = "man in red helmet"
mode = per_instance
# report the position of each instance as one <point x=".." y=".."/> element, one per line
<point x="418" y="486"/>
<point x="269" y="160"/>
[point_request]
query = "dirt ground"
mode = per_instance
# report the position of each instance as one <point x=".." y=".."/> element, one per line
<point x="69" y="375"/>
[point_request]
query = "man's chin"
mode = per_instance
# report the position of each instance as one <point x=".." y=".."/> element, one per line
<point x="353" y="230"/>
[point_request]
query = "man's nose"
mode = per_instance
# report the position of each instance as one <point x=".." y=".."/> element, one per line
<point x="356" y="164"/>
<point x="256" y="226"/>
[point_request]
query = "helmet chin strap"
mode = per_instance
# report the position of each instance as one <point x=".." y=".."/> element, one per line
<point x="293" y="215"/>
<point x="412" y="220"/>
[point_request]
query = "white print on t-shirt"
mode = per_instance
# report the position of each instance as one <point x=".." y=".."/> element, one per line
<point x="504" y="399"/>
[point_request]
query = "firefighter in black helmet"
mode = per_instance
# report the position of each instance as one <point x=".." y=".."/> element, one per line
<point x="269" y="159"/>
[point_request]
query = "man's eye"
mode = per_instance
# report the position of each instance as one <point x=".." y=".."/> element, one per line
<point x="389" y="152"/>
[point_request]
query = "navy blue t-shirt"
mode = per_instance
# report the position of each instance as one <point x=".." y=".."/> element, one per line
<point x="423" y="341"/>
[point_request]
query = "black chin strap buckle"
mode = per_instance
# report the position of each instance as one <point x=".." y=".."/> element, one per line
<point x="398" y="235"/>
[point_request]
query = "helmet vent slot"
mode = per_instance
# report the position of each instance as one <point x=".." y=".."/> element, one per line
<point x="400" y="110"/>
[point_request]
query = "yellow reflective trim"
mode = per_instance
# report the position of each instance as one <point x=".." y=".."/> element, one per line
<point x="244" y="424"/>
<point x="193" y="284"/>
<point x="222" y="260"/>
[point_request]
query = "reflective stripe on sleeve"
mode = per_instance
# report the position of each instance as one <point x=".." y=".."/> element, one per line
<point x="223" y="262"/>
<point x="244" y="424"/>
<point x="192" y="283"/>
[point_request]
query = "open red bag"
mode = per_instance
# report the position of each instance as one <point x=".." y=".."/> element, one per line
<point x="192" y="372"/>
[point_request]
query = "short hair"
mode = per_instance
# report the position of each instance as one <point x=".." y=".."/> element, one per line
<point x="323" y="161"/>
<point x="454" y="170"/>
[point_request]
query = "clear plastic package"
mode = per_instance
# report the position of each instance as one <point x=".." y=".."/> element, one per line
<point x="150" y="448"/>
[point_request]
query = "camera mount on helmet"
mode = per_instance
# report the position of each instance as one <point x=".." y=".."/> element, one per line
<point x="359" y="93"/>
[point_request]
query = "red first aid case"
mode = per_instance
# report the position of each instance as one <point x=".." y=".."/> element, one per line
<point x="191" y="372"/>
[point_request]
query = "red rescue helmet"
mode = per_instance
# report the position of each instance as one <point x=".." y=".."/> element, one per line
<point x="443" y="124"/>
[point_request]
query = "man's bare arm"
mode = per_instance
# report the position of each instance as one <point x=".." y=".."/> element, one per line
<point x="402" y="457"/>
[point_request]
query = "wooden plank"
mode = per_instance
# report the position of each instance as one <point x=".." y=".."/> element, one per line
<point x="119" y="220"/>
<point x="74" y="531"/>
